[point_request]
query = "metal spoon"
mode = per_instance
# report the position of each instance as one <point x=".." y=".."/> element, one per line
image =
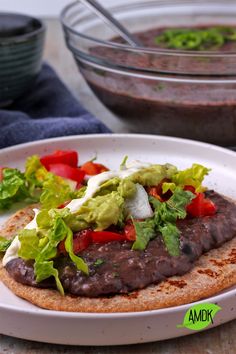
<point x="112" y="22"/>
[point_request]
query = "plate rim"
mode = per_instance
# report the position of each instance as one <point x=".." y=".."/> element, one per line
<point x="119" y="135"/>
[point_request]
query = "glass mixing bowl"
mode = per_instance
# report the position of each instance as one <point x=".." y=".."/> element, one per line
<point x="190" y="94"/>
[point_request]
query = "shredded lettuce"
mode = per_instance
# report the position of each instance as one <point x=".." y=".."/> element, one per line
<point x="55" y="191"/>
<point x="44" y="270"/>
<point x="123" y="163"/>
<point x="14" y="188"/>
<point x="35" y="184"/>
<point x="145" y="231"/>
<point x="41" y="245"/>
<point x="192" y="176"/>
<point x="79" y="262"/>
<point x="35" y="172"/>
<point x="30" y="244"/>
<point x="166" y="214"/>
<point x="163" y="221"/>
<point x="4" y="244"/>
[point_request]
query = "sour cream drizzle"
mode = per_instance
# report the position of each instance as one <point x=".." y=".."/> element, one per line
<point x="95" y="182"/>
<point x="92" y="187"/>
<point x="12" y="251"/>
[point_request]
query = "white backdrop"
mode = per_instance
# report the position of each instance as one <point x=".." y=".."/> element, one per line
<point x="41" y="7"/>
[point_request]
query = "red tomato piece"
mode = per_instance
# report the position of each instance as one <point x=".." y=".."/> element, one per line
<point x="190" y="189"/>
<point x="68" y="157"/>
<point x="154" y="192"/>
<point x="201" y="206"/>
<point x="81" y="241"/>
<point x="79" y="185"/>
<point x="63" y="205"/>
<point x="209" y="207"/>
<point x="195" y="207"/>
<point x="130" y="232"/>
<point x="91" y="168"/>
<point x="66" y="171"/>
<point x="106" y="236"/>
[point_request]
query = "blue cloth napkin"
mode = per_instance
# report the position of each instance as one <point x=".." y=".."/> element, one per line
<point x="47" y="110"/>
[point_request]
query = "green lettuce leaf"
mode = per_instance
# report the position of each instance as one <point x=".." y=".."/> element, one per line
<point x="170" y="235"/>
<point x="166" y="214"/>
<point x="4" y="244"/>
<point x="123" y="163"/>
<point x="55" y="191"/>
<point x="41" y="245"/>
<point x="79" y="262"/>
<point x="30" y="244"/>
<point x="36" y="183"/>
<point x="192" y="176"/>
<point x="14" y="188"/>
<point x="35" y="172"/>
<point x="145" y="231"/>
<point x="44" y="270"/>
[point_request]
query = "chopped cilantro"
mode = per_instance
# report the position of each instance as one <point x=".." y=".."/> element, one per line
<point x="98" y="262"/>
<point x="196" y="38"/>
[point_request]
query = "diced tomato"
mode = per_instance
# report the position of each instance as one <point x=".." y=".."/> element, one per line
<point x="67" y="157"/>
<point x="200" y="206"/>
<point x="66" y="171"/>
<point x="79" y="185"/>
<point x="61" y="248"/>
<point x="81" y="241"/>
<point x="190" y="189"/>
<point x="209" y="207"/>
<point x="130" y="232"/>
<point x="106" y="236"/>
<point x="195" y="207"/>
<point x="91" y="168"/>
<point x="63" y="205"/>
<point x="156" y="191"/>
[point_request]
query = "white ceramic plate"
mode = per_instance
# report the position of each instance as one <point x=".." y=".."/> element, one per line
<point x="21" y="319"/>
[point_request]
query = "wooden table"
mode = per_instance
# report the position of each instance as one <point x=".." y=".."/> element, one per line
<point x="220" y="340"/>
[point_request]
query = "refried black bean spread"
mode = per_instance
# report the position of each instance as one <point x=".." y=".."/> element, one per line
<point x="115" y="268"/>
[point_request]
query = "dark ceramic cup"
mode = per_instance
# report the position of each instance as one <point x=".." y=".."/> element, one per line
<point x="21" y="49"/>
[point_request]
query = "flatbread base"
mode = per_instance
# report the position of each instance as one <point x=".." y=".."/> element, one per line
<point x="212" y="273"/>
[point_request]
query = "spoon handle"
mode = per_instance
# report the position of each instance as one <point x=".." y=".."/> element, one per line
<point x="112" y="22"/>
